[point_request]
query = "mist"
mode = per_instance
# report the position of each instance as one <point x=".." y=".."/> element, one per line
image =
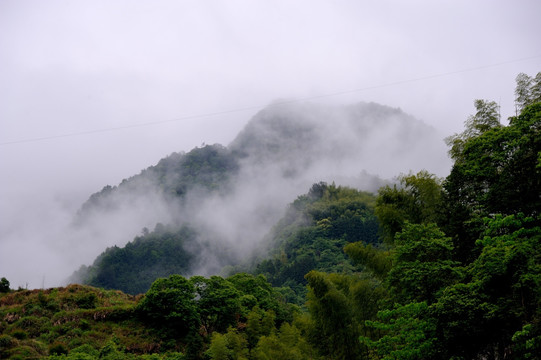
<point x="93" y="93"/>
<point x="232" y="196"/>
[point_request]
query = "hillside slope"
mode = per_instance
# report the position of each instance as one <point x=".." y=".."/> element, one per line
<point x="230" y="197"/>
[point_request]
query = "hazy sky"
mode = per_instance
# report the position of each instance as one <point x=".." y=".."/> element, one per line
<point x="146" y="71"/>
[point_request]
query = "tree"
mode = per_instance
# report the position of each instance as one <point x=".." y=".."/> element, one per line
<point x="495" y="314"/>
<point x="256" y="290"/>
<point x="487" y="116"/>
<point x="286" y="344"/>
<point x="406" y="333"/>
<point x="522" y="91"/>
<point x="416" y="200"/>
<point x="378" y="261"/>
<point x="498" y="173"/>
<point x="259" y="323"/>
<point x="170" y="305"/>
<point x="339" y="305"/>
<point x="527" y="91"/>
<point x="536" y="88"/>
<point x="218" y="302"/>
<point x="218" y="348"/>
<point x="422" y="263"/>
<point x="4" y="285"/>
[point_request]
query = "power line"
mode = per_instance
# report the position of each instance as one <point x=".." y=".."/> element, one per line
<point x="254" y="107"/>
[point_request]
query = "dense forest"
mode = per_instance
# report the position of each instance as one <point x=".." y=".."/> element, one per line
<point x="427" y="268"/>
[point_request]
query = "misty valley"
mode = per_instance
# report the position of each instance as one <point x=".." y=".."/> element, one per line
<point x="319" y="232"/>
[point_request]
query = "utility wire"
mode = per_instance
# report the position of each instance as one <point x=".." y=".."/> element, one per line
<point x="254" y="107"/>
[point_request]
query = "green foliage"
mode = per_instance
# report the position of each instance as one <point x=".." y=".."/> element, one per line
<point x="458" y="275"/>
<point x="408" y="333"/>
<point x="85" y="349"/>
<point x="497" y="174"/>
<point x="422" y="263"/>
<point x="20" y="334"/>
<point x="208" y="168"/>
<point x="487" y="117"/>
<point x="164" y="324"/>
<point x="170" y="304"/>
<point x="4" y="285"/>
<point x="314" y="232"/>
<point x="287" y="343"/>
<point x="438" y="308"/>
<point x="58" y="348"/>
<point x="506" y="278"/>
<point x="134" y="267"/>
<point x="417" y="200"/>
<point x="259" y="323"/>
<point x="527" y="342"/>
<point x="218" y="302"/>
<point x="527" y="91"/>
<point x="339" y="306"/>
<point x="230" y="345"/>
<point x="374" y="259"/>
<point x="255" y="290"/>
<point x="218" y="348"/>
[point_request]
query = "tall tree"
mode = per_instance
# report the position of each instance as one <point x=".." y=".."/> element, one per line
<point x="486" y="117"/>
<point x="527" y="91"/>
<point x="495" y="313"/>
<point x="497" y="172"/>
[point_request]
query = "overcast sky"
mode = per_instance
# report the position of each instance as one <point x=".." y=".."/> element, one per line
<point x="149" y="72"/>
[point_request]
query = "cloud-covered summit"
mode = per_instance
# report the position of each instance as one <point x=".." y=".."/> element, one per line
<point x="232" y="196"/>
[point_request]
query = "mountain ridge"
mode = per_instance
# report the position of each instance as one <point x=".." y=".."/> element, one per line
<point x="232" y="196"/>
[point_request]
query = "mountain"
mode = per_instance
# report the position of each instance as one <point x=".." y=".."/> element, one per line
<point x="430" y="268"/>
<point x="228" y="198"/>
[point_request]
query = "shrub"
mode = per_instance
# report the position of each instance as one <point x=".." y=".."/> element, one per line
<point x="86" y="301"/>
<point x="58" y="349"/>
<point x="5" y="341"/>
<point x="20" y="335"/>
<point x="24" y="352"/>
<point x="33" y="325"/>
<point x="84" y="325"/>
<point x="86" y="349"/>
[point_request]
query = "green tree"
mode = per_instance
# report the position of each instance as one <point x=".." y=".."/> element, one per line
<point x="498" y="173"/>
<point x="231" y="345"/>
<point x="4" y="285"/>
<point x="258" y="291"/>
<point x="487" y="116"/>
<point x="170" y="305"/>
<point x="218" y="303"/>
<point x="496" y="312"/>
<point x="339" y="305"/>
<point x="405" y="333"/>
<point x="374" y="259"/>
<point x="287" y="343"/>
<point x="416" y="200"/>
<point x="422" y="263"/>
<point x="527" y="91"/>
<point x="218" y="348"/>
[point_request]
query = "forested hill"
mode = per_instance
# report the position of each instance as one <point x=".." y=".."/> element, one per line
<point x="427" y="268"/>
<point x="230" y="197"/>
